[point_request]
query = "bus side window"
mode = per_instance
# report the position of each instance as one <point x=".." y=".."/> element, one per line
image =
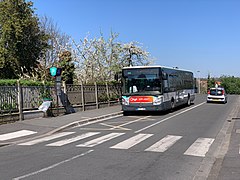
<point x="165" y="76"/>
<point x="165" y="85"/>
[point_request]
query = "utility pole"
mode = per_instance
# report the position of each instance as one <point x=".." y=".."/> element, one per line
<point x="199" y="83"/>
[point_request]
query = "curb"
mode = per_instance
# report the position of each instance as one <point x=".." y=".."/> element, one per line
<point x="81" y="122"/>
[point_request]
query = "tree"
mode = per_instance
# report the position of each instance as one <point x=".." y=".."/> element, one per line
<point x="210" y="82"/>
<point x="231" y="84"/>
<point x="134" y="55"/>
<point x="21" y="40"/>
<point x="99" y="59"/>
<point x="65" y="62"/>
<point x="59" y="43"/>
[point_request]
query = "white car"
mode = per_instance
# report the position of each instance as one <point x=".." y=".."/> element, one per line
<point x="217" y="95"/>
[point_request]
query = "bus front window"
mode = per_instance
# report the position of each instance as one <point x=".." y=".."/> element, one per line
<point x="142" y="84"/>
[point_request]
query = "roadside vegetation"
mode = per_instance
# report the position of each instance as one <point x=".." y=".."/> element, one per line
<point x="30" y="45"/>
<point x="230" y="83"/>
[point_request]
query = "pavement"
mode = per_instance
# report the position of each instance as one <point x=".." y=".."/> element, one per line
<point x="230" y="163"/>
<point x="49" y="125"/>
<point x="226" y="167"/>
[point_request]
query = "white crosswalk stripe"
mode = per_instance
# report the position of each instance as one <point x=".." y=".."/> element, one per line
<point x="16" y="134"/>
<point x="100" y="140"/>
<point x="164" y="144"/>
<point x="131" y="141"/>
<point x="200" y="147"/>
<point x="74" y="139"/>
<point x="47" y="138"/>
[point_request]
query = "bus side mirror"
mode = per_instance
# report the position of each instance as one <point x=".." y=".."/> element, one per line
<point x="164" y="76"/>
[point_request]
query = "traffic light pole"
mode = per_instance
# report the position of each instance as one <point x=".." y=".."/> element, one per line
<point x="56" y="72"/>
<point x="58" y="90"/>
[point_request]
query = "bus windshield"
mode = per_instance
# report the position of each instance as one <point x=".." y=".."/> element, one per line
<point x="142" y="81"/>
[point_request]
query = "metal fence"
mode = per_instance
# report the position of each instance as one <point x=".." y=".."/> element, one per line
<point x="26" y="98"/>
<point x="8" y="98"/>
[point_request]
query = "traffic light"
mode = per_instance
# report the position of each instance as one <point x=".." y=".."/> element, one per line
<point x="59" y="72"/>
<point x="54" y="71"/>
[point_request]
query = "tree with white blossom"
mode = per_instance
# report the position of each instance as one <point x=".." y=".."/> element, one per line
<point x="100" y="59"/>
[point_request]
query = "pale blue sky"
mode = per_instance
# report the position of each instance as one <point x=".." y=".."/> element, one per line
<point x="199" y="35"/>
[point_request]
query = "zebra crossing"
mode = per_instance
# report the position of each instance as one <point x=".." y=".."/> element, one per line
<point x="16" y="134"/>
<point x="198" y="148"/>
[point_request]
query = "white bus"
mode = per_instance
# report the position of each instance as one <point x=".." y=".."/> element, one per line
<point x="156" y="88"/>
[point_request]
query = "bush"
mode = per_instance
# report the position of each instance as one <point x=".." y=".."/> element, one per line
<point x="231" y="84"/>
<point x="13" y="82"/>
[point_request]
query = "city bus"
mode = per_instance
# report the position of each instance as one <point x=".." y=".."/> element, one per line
<point x="156" y="88"/>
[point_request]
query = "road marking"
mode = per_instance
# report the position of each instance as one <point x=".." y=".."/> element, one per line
<point x="164" y="144"/>
<point x="130" y="122"/>
<point x="47" y="138"/>
<point x="16" y="134"/>
<point x="147" y="127"/>
<point x="200" y="147"/>
<point x="96" y="121"/>
<point x="52" y="166"/>
<point x="115" y="127"/>
<point x="98" y="129"/>
<point x="74" y="139"/>
<point x="100" y="140"/>
<point x="131" y="141"/>
<point x="238" y="131"/>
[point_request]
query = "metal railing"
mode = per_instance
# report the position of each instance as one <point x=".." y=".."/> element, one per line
<point x="17" y="99"/>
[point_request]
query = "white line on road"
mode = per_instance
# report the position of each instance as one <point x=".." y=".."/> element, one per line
<point x="164" y="144"/>
<point x="100" y="140"/>
<point x="131" y="141"/>
<point x="47" y="138"/>
<point x="200" y="147"/>
<point x="52" y="166"/>
<point x="16" y="134"/>
<point x="130" y="122"/>
<point x="74" y="139"/>
<point x="147" y="127"/>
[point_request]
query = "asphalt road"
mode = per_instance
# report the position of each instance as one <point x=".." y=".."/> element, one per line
<point x="176" y="145"/>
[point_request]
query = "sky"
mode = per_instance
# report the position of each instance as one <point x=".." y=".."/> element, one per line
<point x="199" y="35"/>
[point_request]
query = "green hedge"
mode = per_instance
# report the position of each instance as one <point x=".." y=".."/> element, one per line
<point x="13" y="82"/>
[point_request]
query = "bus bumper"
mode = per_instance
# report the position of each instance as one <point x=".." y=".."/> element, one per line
<point x="135" y="108"/>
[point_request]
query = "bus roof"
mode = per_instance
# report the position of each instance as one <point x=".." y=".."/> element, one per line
<point x="154" y="66"/>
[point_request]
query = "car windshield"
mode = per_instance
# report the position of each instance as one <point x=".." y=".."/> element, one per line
<point x="216" y="92"/>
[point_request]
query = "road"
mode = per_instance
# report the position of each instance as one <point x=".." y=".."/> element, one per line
<point x="182" y="144"/>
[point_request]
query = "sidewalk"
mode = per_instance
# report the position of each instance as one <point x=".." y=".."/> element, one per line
<point x="51" y="125"/>
<point x="78" y="117"/>
<point x="230" y="169"/>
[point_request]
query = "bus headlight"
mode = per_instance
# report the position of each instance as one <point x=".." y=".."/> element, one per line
<point x="125" y="101"/>
<point x="157" y="100"/>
